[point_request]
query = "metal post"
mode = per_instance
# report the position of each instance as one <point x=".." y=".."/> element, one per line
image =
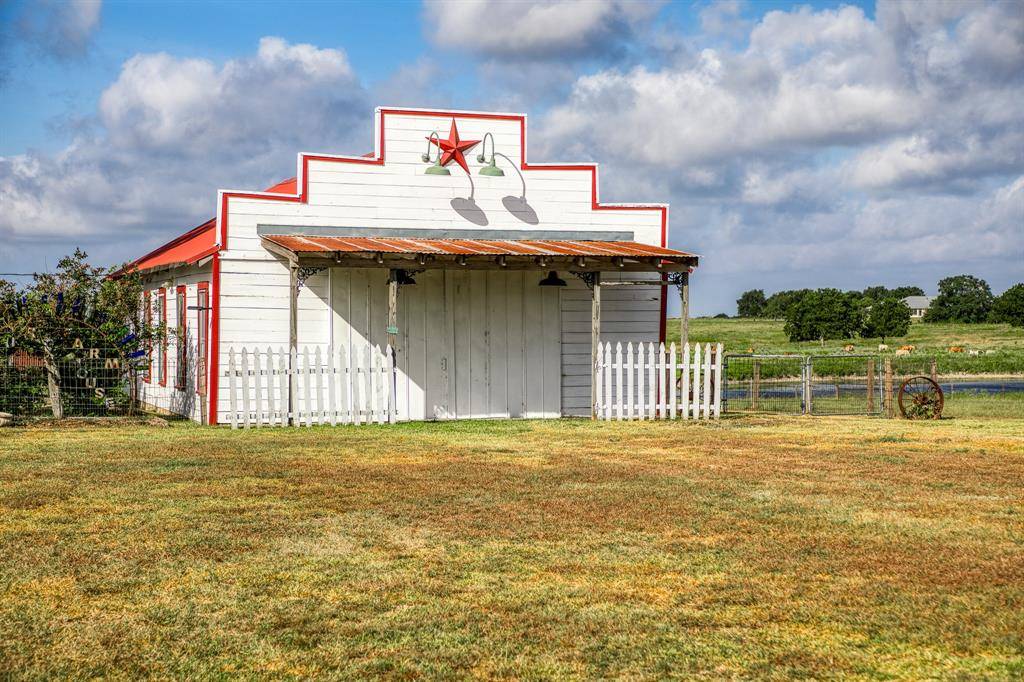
<point x="595" y="339"/>
<point x="887" y="400"/>
<point x="684" y="310"/>
<point x="871" y="385"/>
<point x="808" y="394"/>
<point x="755" y="388"/>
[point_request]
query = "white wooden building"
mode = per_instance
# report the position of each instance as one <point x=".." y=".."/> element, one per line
<point x="325" y="262"/>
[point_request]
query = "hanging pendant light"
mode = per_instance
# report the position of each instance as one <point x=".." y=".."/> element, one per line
<point x="552" y="280"/>
<point x="437" y="168"/>
<point x="490" y="170"/>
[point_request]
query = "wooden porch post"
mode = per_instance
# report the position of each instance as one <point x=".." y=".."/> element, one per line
<point x="595" y="339"/>
<point x="393" y="343"/>
<point x="393" y="308"/>
<point x="684" y="310"/>
<point x="293" y="337"/>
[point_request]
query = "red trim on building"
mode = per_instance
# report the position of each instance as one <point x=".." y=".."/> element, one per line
<point x="214" y="365"/>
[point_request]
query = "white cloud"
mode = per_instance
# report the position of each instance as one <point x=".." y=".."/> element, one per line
<point x="169" y="131"/>
<point x="60" y="29"/>
<point x="535" y="28"/>
<point x="828" y="143"/>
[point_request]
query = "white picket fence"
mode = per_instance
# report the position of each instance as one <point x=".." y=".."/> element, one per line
<point x="648" y="381"/>
<point x="330" y="387"/>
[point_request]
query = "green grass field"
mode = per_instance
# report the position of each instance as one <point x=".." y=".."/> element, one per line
<point x="1001" y="345"/>
<point x="751" y="548"/>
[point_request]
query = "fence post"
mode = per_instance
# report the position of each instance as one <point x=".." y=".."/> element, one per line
<point x="871" y="385"/>
<point x="935" y="371"/>
<point x="887" y="399"/>
<point x="808" y="368"/>
<point x="755" y="386"/>
<point x="718" y="380"/>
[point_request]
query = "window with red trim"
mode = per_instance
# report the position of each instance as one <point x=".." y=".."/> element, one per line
<point x="181" y="336"/>
<point x="202" y="329"/>
<point x="161" y="313"/>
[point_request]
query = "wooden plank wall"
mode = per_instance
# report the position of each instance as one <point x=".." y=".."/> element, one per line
<point x="470" y="343"/>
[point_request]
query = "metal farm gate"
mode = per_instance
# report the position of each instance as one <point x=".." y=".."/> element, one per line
<point x="795" y="384"/>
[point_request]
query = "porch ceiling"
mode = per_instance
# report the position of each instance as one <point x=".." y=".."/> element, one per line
<point x="533" y="254"/>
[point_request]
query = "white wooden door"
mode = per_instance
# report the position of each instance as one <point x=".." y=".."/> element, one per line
<point x="471" y="343"/>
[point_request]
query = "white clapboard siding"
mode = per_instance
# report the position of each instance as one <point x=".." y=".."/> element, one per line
<point x="654" y="382"/>
<point x="313" y="386"/>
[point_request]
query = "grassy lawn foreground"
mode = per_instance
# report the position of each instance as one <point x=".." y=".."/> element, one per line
<point x="758" y="547"/>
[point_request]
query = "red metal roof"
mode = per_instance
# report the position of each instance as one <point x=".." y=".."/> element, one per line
<point x="473" y="247"/>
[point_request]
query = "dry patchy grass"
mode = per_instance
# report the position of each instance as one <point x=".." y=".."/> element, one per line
<point x="758" y="547"/>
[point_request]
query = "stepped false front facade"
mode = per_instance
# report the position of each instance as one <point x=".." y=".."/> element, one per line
<point x="444" y="274"/>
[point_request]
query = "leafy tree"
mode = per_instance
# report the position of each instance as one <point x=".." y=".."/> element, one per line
<point x="825" y="314"/>
<point x="876" y="293"/>
<point x="1010" y="306"/>
<point x="77" y="306"/>
<point x="751" y="303"/>
<point x="962" y="298"/>
<point x="879" y="293"/>
<point x="888" y="317"/>
<point x="779" y="303"/>
<point x="903" y="292"/>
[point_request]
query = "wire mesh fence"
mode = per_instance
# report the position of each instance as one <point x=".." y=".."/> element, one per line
<point x="844" y="384"/>
<point x="88" y="382"/>
<point x="763" y="383"/>
<point x="792" y="384"/>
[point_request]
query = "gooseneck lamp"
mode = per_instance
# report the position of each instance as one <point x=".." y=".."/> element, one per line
<point x="437" y="168"/>
<point x="491" y="169"/>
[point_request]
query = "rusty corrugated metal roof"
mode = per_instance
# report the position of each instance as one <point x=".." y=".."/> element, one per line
<point x="473" y="247"/>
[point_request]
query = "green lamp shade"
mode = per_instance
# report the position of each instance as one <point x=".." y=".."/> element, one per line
<point x="438" y="169"/>
<point x="492" y="170"/>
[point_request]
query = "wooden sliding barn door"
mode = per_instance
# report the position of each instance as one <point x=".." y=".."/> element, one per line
<point x="471" y="343"/>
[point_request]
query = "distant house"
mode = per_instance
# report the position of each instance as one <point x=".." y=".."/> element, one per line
<point x="918" y="305"/>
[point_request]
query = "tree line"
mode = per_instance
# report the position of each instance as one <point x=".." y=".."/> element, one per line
<point x="878" y="311"/>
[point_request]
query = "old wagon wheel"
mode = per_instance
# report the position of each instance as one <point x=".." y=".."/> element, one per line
<point x="920" y="398"/>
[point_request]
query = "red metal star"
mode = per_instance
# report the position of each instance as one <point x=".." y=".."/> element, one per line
<point x="453" y="147"/>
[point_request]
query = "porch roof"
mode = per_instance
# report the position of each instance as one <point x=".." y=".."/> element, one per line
<point x="491" y="253"/>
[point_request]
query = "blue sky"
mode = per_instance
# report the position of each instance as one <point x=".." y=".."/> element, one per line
<point x="820" y="144"/>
